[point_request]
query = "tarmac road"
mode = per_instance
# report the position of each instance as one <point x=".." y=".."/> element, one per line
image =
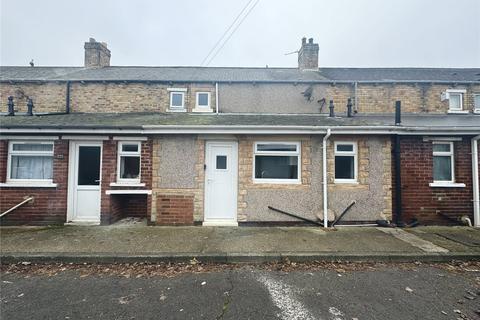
<point x="423" y="292"/>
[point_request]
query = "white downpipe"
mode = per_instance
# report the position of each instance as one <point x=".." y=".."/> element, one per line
<point x="476" y="186"/>
<point x="325" y="182"/>
<point x="216" y="97"/>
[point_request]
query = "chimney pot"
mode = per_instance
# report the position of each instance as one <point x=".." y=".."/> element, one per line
<point x="97" y="54"/>
<point x="332" y="109"/>
<point x="30" y="107"/>
<point x="11" y="106"/>
<point x="398" y="113"/>
<point x="308" y="55"/>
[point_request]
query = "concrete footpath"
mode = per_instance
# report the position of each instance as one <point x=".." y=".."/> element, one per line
<point x="141" y="243"/>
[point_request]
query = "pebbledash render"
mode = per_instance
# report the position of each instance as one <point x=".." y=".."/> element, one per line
<point x="222" y="146"/>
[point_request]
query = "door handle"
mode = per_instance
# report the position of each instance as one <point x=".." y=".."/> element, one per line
<point x="98" y="180"/>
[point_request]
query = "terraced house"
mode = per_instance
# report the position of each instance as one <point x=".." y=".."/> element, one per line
<point x="219" y="146"/>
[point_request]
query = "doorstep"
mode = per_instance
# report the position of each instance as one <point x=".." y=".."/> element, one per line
<point x="220" y="223"/>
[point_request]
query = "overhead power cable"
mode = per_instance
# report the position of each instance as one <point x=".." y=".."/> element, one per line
<point x="219" y="44"/>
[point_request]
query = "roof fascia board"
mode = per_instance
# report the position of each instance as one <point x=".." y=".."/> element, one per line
<point x="255" y="130"/>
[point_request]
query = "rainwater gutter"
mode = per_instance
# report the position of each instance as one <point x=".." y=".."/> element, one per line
<point x="476" y="186"/>
<point x="325" y="185"/>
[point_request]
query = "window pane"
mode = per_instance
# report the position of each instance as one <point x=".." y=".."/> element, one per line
<point x="129" y="167"/>
<point x="177" y="100"/>
<point x="221" y="162"/>
<point x="477" y="101"/>
<point x="130" y="147"/>
<point x="444" y="147"/>
<point x="442" y="168"/>
<point x="31" y="167"/>
<point x="203" y="99"/>
<point x="276" y="147"/>
<point x="272" y="167"/>
<point x="89" y="166"/>
<point x="32" y="147"/>
<point x="344" y="167"/>
<point x="345" y="147"/>
<point x="454" y="100"/>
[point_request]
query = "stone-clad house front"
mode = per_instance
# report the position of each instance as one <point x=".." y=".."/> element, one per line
<point x="219" y="146"/>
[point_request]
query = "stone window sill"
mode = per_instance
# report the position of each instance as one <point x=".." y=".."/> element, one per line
<point x="148" y="192"/>
<point x="28" y="185"/>
<point x="202" y="110"/>
<point x="176" y="110"/>
<point x="458" y="111"/>
<point x="446" y="185"/>
<point x="120" y="184"/>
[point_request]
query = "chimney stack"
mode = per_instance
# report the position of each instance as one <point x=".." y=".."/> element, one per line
<point x="97" y="54"/>
<point x="308" y="55"/>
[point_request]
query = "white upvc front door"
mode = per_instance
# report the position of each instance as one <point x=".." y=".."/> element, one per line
<point x="84" y="182"/>
<point x="221" y="176"/>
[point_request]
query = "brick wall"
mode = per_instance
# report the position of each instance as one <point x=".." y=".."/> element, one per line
<point x="50" y="204"/>
<point x="423" y="202"/>
<point x="174" y="209"/>
<point x="132" y="97"/>
<point x="47" y="97"/>
<point x="115" y="207"/>
<point x="154" y="97"/>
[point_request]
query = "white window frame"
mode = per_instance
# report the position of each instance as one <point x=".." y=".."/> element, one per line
<point x="180" y="91"/>
<point x="450" y="154"/>
<point x="120" y="154"/>
<point x="353" y="153"/>
<point x="203" y="108"/>
<point x="11" y="153"/>
<point x="459" y="92"/>
<point x="476" y="108"/>
<point x="297" y="153"/>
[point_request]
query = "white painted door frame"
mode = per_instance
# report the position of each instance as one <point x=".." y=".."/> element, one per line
<point x="212" y="196"/>
<point x="72" y="179"/>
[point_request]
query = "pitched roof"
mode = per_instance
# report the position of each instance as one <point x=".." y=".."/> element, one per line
<point x="178" y="121"/>
<point x="233" y="74"/>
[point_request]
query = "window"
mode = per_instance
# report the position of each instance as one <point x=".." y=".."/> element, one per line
<point x="455" y="100"/>
<point x="129" y="162"/>
<point x="277" y="162"/>
<point x="30" y="161"/>
<point x="221" y="162"/>
<point x="345" y="162"/>
<point x="476" y="102"/>
<point x="177" y="99"/>
<point x="443" y="166"/>
<point x="203" y="100"/>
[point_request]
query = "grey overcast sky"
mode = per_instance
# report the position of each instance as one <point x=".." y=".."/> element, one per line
<point x="351" y="33"/>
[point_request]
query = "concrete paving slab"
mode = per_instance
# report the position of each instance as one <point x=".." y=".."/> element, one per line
<point x="413" y="240"/>
<point x="226" y="244"/>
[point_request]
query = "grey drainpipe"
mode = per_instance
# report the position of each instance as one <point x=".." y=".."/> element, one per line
<point x="325" y="177"/>
<point x="216" y="98"/>
<point x="398" y="176"/>
<point x="476" y="183"/>
<point x="355" y="107"/>
<point x="67" y="98"/>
